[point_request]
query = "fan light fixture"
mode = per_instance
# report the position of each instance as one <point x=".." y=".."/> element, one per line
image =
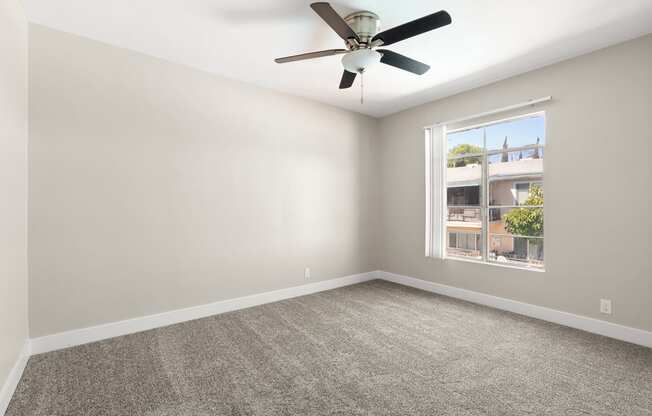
<point x="358" y="61"/>
<point x="361" y="37"/>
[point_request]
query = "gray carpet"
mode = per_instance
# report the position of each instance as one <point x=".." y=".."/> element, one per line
<point x="371" y="349"/>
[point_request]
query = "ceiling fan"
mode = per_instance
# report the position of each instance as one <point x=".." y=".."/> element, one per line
<point x="360" y="33"/>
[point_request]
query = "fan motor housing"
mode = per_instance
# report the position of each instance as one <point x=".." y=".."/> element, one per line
<point x="365" y="24"/>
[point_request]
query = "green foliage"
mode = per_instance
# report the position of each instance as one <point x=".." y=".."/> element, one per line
<point x="463" y="149"/>
<point x="527" y="221"/>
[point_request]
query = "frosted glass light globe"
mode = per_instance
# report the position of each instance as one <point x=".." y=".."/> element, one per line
<point x="358" y="61"/>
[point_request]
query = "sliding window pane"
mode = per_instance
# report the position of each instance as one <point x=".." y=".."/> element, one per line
<point x="494" y="181"/>
<point x="460" y="216"/>
<point x="516" y="235"/>
<point x="465" y="142"/>
<point x="513" y="250"/>
<point x="464" y="243"/>
<point x="516" y="133"/>
<point x="519" y="221"/>
<point x="499" y="157"/>
<point x="514" y="180"/>
<point x="452" y="239"/>
<point x="464" y="172"/>
<point x="463" y="195"/>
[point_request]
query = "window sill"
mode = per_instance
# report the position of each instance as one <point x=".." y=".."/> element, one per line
<point x="497" y="264"/>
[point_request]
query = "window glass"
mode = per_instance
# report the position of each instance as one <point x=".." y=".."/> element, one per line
<point x="452" y="240"/>
<point x="516" y="133"/>
<point x="522" y="192"/>
<point x="501" y="204"/>
<point x="510" y="175"/>
<point x="464" y="195"/>
<point x="464" y="244"/>
<point x="465" y="142"/>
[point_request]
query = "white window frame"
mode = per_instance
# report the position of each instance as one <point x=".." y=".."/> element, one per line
<point x="484" y="206"/>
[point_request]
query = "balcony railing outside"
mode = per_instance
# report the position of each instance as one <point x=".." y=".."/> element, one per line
<point x="464" y="213"/>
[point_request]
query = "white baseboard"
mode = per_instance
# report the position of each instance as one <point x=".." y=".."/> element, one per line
<point x="596" y="326"/>
<point x="13" y="378"/>
<point x="130" y="326"/>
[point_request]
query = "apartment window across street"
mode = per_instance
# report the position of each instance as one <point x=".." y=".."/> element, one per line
<point x="464" y="242"/>
<point x="494" y="192"/>
<point x="522" y="191"/>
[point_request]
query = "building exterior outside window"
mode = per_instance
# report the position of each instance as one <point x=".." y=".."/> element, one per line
<point x="494" y="192"/>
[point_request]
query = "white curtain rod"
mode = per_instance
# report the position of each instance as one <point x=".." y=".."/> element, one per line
<point x="488" y="113"/>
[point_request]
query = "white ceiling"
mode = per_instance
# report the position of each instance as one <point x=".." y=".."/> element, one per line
<point x="488" y="40"/>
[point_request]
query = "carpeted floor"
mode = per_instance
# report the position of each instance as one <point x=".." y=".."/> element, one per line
<point x="371" y="349"/>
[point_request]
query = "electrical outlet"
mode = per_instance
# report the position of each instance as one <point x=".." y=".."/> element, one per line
<point x="306" y="273"/>
<point x="605" y="306"/>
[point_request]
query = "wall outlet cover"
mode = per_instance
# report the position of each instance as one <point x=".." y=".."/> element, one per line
<point x="605" y="306"/>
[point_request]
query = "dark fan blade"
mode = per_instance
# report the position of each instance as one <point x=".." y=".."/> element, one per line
<point x="403" y="62"/>
<point x="413" y="28"/>
<point x="334" y="20"/>
<point x="347" y="79"/>
<point x="309" y="55"/>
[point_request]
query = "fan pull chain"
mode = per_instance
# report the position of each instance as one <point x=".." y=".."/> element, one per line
<point x="361" y="87"/>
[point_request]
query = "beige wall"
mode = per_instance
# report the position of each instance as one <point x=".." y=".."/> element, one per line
<point x="154" y="186"/>
<point x="597" y="181"/>
<point x="13" y="184"/>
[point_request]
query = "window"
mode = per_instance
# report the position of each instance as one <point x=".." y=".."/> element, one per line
<point x="494" y="192"/>
<point x="452" y="240"/>
<point x="522" y="191"/>
<point x="464" y="242"/>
